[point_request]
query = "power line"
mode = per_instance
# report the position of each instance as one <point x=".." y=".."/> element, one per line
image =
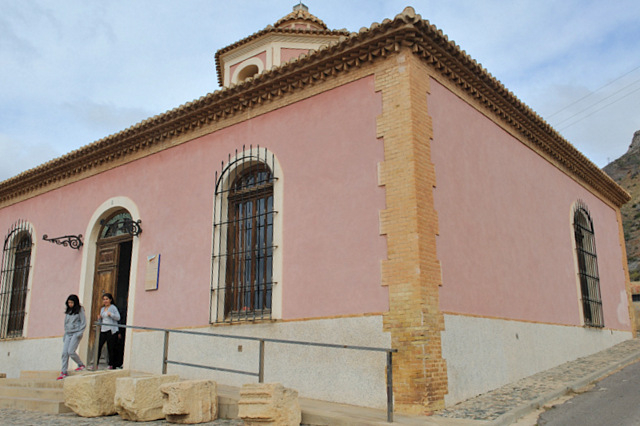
<point x="592" y="93"/>
<point x="599" y="102"/>
<point x="617" y="100"/>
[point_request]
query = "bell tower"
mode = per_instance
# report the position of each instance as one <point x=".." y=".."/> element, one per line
<point x="291" y="36"/>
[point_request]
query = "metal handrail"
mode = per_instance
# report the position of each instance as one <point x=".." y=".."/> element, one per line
<point x="261" y="341"/>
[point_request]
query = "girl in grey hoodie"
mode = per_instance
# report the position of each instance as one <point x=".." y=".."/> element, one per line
<point x="74" y="325"/>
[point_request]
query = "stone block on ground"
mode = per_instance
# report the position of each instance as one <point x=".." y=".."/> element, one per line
<point x="91" y="395"/>
<point x="3" y="375"/>
<point x="190" y="401"/>
<point x="269" y="404"/>
<point x="139" y="398"/>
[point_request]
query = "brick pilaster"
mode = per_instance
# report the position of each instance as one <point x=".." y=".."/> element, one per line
<point x="411" y="271"/>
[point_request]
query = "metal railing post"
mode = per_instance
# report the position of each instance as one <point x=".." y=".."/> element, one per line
<point x="261" y="363"/>
<point x="389" y="387"/>
<point x="165" y="352"/>
<point x="96" y="345"/>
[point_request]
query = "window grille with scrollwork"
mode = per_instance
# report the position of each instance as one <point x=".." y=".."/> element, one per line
<point x="14" y="279"/>
<point x="243" y="252"/>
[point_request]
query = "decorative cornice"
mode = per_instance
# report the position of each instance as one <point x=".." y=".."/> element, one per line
<point x="406" y="30"/>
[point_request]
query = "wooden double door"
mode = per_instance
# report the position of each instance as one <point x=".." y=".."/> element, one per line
<point x="112" y="271"/>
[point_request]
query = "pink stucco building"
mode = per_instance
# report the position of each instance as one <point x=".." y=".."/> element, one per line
<point x="377" y="189"/>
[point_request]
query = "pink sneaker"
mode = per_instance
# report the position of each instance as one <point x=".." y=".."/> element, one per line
<point x="62" y="376"/>
<point x="110" y="367"/>
<point x="80" y="368"/>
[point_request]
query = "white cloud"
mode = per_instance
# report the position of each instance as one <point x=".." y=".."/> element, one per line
<point x="74" y="71"/>
<point x="16" y="156"/>
<point x="106" y="117"/>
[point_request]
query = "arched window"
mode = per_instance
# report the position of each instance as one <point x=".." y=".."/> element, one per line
<point x="244" y="246"/>
<point x="250" y="242"/>
<point x="587" y="266"/>
<point x="119" y="224"/>
<point x="248" y="71"/>
<point x="14" y="279"/>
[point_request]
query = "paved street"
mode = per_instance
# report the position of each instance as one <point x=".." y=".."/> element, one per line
<point x="10" y="417"/>
<point x="612" y="401"/>
<point x="505" y="404"/>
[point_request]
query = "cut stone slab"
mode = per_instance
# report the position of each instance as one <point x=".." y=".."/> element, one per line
<point x="91" y="395"/>
<point x="269" y="404"/>
<point x="190" y="401"/>
<point x="139" y="398"/>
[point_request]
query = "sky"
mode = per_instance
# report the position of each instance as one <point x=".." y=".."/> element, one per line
<point x="75" y="71"/>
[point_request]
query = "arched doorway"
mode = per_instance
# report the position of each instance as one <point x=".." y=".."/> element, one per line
<point x="112" y="271"/>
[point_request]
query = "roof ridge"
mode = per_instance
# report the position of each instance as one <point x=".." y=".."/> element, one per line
<point x="300" y="13"/>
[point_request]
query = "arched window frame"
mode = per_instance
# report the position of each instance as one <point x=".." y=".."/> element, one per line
<point x="238" y="74"/>
<point x="587" y="266"/>
<point x="15" y="279"/>
<point x="241" y="163"/>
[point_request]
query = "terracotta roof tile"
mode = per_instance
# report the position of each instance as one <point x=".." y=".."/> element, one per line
<point x="300" y="14"/>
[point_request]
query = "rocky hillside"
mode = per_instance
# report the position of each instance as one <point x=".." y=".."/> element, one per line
<point x="626" y="172"/>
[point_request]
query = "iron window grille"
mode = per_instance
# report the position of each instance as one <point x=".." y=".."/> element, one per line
<point x="587" y="267"/>
<point x="243" y="229"/>
<point x="14" y="279"/>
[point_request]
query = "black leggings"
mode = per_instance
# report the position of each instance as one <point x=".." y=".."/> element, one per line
<point x="110" y="338"/>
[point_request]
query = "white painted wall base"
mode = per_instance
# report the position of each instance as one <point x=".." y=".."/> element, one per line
<point x="483" y="354"/>
<point x="31" y="354"/>
<point x="339" y="375"/>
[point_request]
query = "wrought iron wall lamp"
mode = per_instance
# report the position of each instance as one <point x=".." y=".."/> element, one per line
<point x="73" y="241"/>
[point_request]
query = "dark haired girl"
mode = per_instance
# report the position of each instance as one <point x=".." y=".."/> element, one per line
<point x="74" y="325"/>
<point x="109" y="316"/>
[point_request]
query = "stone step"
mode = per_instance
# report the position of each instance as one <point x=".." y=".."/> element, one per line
<point x="44" y="374"/>
<point x="34" y="404"/>
<point x="32" y="383"/>
<point x="32" y="392"/>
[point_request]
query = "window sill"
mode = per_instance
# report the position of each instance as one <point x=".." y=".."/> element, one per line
<point x="248" y="317"/>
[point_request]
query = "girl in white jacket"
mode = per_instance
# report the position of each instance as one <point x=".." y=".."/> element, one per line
<point x="109" y="317"/>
